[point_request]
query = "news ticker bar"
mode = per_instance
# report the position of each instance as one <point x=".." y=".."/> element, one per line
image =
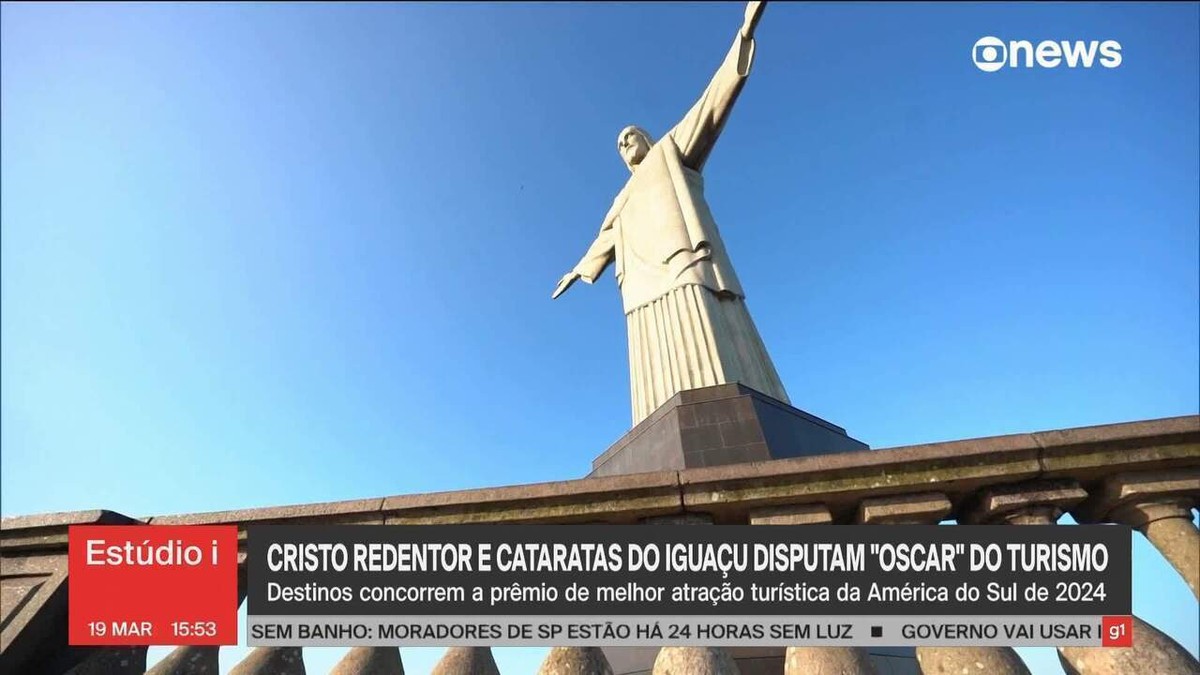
<point x="688" y="631"/>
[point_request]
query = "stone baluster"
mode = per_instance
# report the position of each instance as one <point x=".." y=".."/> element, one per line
<point x="803" y="660"/>
<point x="265" y="660"/>
<point x="694" y="661"/>
<point x="930" y="509"/>
<point x="1023" y="506"/>
<point x="186" y="660"/>
<point x="1044" y="503"/>
<point x="575" y="661"/>
<point x="199" y="659"/>
<point x="1039" y="503"/>
<point x="112" y="660"/>
<point x="1152" y="652"/>
<point x="955" y="660"/>
<point x="834" y="660"/>
<point x="691" y="660"/>
<point x="370" y="661"/>
<point x="193" y="660"/>
<point x="466" y="661"/>
<point x="1159" y="505"/>
<point x="921" y="509"/>
<point x="803" y="514"/>
<point x="271" y="661"/>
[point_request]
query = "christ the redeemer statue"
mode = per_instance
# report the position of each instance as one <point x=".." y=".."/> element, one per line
<point x="684" y="308"/>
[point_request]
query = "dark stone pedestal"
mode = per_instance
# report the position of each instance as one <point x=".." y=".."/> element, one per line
<point x="728" y="424"/>
<point x="725" y="424"/>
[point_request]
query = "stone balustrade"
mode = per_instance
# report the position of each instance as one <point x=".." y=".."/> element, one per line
<point x="1143" y="474"/>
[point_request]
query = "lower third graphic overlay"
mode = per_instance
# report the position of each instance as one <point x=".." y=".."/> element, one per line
<point x="736" y="585"/>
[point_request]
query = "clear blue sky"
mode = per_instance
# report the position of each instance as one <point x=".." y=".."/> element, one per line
<point x="260" y="254"/>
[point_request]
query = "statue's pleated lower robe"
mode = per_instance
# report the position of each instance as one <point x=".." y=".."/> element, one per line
<point x="691" y="338"/>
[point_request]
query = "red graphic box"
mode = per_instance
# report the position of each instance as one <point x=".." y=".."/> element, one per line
<point x="152" y="585"/>
<point x="1116" y="631"/>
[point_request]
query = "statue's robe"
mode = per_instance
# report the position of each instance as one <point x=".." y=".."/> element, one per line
<point x="685" y="309"/>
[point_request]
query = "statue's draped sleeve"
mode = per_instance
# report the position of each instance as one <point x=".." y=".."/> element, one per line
<point x="600" y="254"/>
<point x="698" y="130"/>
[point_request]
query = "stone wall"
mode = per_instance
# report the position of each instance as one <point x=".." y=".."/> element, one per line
<point x="1143" y="474"/>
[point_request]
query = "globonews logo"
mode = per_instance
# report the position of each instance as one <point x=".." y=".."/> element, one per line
<point x="991" y="54"/>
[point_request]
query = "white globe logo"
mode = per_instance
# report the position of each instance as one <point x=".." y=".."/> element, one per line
<point x="989" y="54"/>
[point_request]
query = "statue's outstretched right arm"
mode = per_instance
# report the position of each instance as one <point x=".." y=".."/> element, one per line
<point x="697" y="132"/>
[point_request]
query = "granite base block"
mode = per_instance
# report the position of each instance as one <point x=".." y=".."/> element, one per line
<point x="724" y="424"/>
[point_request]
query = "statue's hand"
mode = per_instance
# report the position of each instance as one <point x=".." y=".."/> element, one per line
<point x="564" y="283"/>
<point x="753" y="14"/>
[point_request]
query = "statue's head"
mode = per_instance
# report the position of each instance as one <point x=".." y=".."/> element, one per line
<point x="633" y="143"/>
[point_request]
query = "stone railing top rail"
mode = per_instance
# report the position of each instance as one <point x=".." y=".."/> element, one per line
<point x="956" y="469"/>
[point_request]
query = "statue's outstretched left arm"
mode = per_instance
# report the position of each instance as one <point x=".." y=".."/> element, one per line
<point x="698" y="130"/>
